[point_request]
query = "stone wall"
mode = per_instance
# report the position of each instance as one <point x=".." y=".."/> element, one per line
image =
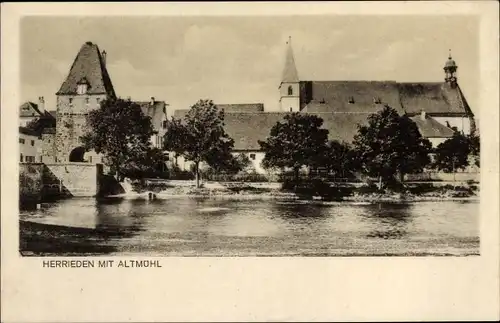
<point x="75" y="179"/>
<point x="48" y="147"/>
<point x="40" y="182"/>
<point x="71" y="121"/>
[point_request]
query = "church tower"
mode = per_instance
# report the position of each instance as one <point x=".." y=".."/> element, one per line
<point x="450" y="70"/>
<point x="289" y="86"/>
<point x="87" y="84"/>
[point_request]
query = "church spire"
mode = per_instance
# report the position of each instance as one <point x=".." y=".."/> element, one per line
<point x="290" y="74"/>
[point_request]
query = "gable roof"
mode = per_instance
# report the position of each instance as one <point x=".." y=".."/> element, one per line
<point x="29" y="109"/>
<point x="430" y="128"/>
<point x="351" y="96"/>
<point x="89" y="66"/>
<point x="433" y="98"/>
<point x="290" y="74"/>
<point x="155" y="111"/>
<point x="248" y="128"/>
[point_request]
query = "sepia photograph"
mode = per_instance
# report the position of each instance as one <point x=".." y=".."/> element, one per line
<point x="249" y="136"/>
<point x="250" y="161"/>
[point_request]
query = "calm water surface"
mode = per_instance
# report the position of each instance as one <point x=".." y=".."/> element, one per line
<point x="209" y="227"/>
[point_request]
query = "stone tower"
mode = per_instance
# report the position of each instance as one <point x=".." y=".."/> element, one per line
<point x="87" y="84"/>
<point x="289" y="86"/>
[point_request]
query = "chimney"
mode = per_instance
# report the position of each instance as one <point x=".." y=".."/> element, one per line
<point x="104" y="54"/>
<point x="153" y="100"/>
<point x="41" y="104"/>
<point x="422" y="115"/>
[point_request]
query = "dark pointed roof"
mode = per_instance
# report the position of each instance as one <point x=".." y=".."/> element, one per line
<point x="290" y="74"/>
<point x="89" y="66"/>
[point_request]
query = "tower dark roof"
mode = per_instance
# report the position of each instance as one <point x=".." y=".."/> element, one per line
<point x="290" y="74"/>
<point x="88" y="66"/>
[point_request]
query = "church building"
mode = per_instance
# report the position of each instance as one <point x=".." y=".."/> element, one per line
<point x="438" y="108"/>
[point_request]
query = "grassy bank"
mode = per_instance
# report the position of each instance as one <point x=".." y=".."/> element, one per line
<point x="313" y="190"/>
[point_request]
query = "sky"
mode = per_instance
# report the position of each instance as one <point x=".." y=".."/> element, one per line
<point x="240" y="59"/>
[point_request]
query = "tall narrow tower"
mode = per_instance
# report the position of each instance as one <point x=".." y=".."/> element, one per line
<point x="289" y="86"/>
<point x="450" y="70"/>
<point x="87" y="84"/>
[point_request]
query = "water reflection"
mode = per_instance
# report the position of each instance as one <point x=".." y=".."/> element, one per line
<point x="184" y="226"/>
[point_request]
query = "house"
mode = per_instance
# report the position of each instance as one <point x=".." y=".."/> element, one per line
<point x="29" y="146"/>
<point x="438" y="108"/>
<point x="30" y="111"/>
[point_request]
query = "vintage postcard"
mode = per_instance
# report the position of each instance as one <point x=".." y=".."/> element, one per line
<point x="320" y="150"/>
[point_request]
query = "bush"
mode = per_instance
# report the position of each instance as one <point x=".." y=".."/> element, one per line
<point x="183" y="175"/>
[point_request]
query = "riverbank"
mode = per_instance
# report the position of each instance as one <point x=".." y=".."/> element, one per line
<point x="414" y="193"/>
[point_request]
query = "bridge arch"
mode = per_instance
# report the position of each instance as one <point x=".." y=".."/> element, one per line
<point x="77" y="155"/>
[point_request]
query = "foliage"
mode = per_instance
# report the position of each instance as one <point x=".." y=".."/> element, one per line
<point x="150" y="163"/>
<point x="200" y="137"/>
<point x="175" y="173"/>
<point x="474" y="144"/>
<point x="121" y="132"/>
<point x="298" y="141"/>
<point x="453" y="153"/>
<point x="390" y="144"/>
<point x="339" y="159"/>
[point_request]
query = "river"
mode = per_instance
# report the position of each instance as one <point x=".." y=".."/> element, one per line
<point x="216" y="227"/>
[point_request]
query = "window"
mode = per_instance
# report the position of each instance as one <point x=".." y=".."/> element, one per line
<point x="87" y="101"/>
<point x="291" y="109"/>
<point x="82" y="88"/>
<point x="70" y="100"/>
<point x="252" y="156"/>
<point x="351" y="100"/>
<point x="21" y="158"/>
<point x="290" y="90"/>
<point x="21" y="141"/>
<point x="41" y="159"/>
<point x="30" y="159"/>
<point x="164" y="124"/>
<point x="90" y="159"/>
<point x="32" y="142"/>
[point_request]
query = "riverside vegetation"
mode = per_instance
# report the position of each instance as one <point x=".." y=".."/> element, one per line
<point x="376" y="162"/>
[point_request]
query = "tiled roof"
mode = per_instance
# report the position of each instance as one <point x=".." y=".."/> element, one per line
<point x="29" y="109"/>
<point x="430" y="128"/>
<point x="370" y="96"/>
<point x="88" y="65"/>
<point x="247" y="128"/>
<point x="49" y="130"/>
<point x="156" y="111"/>
<point x="244" y="107"/>
<point x="350" y="96"/>
<point x="28" y="132"/>
<point x="433" y="98"/>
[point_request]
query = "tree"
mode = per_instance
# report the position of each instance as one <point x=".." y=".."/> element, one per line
<point x="474" y="144"/>
<point x="339" y="158"/>
<point x="200" y="137"/>
<point x="453" y="153"/>
<point x="390" y="144"/>
<point x="298" y="141"/>
<point x="121" y="132"/>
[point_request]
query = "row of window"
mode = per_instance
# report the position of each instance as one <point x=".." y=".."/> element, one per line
<point x="87" y="100"/>
<point x="22" y="141"/>
<point x="29" y="159"/>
